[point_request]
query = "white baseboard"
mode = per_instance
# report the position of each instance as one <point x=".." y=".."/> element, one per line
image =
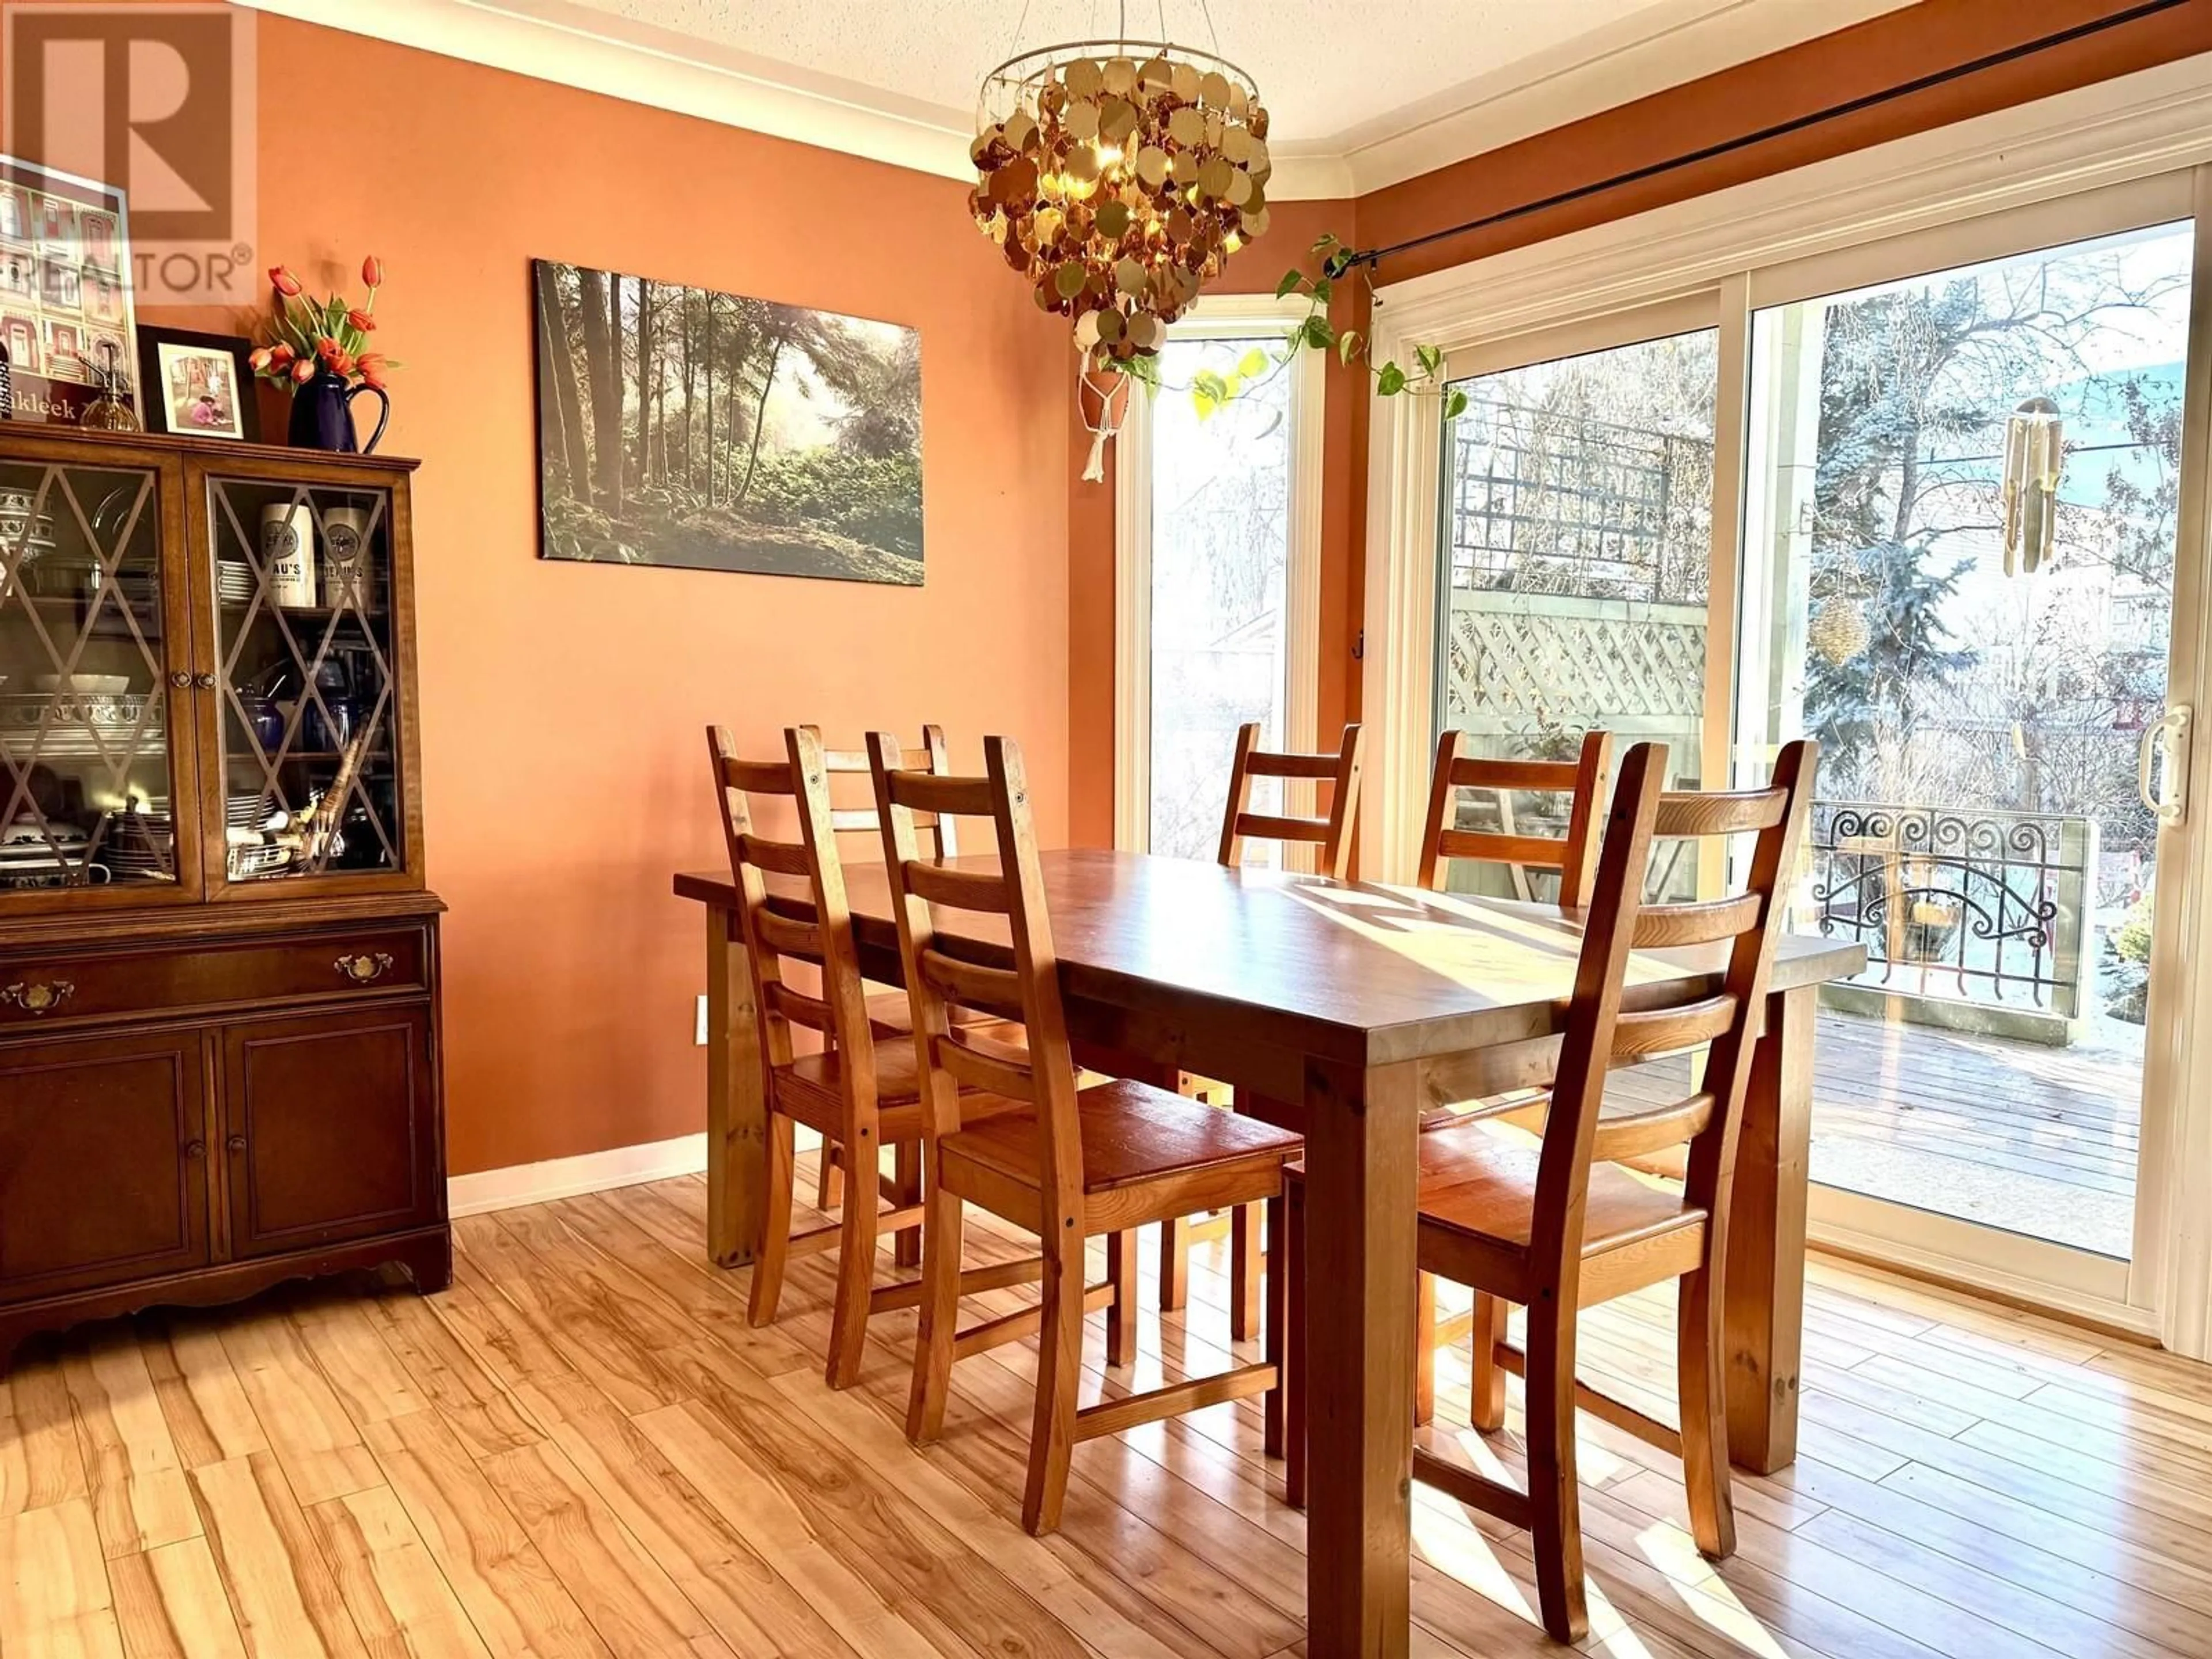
<point x="565" y="1177"/>
<point x="588" y="1172"/>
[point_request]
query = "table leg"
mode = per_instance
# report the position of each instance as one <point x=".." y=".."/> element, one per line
<point x="1361" y="1278"/>
<point x="1766" y="1281"/>
<point x="737" y="1100"/>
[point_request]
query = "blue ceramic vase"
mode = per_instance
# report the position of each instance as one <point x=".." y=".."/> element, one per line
<point x="322" y="415"/>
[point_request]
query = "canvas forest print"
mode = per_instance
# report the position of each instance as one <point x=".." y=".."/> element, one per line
<point x="678" y="425"/>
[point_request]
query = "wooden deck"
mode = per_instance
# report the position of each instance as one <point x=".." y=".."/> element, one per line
<point x="583" y="1450"/>
<point x="2034" y="1138"/>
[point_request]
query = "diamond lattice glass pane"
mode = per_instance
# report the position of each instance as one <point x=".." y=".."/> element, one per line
<point x="84" y="752"/>
<point x="308" y="680"/>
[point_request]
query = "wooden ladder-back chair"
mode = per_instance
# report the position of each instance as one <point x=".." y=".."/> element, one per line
<point x="887" y="1011"/>
<point x="1585" y="780"/>
<point x="1564" y="1225"/>
<point x="1573" y="855"/>
<point x="1070" y="1164"/>
<point x="1331" y="835"/>
<point x="858" y="1095"/>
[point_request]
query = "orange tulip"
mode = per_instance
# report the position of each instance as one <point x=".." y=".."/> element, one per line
<point x="362" y="321"/>
<point x="341" y="364"/>
<point x="286" y="283"/>
<point x="281" y="356"/>
<point x="325" y="348"/>
<point x="303" y="372"/>
<point x="372" y="376"/>
<point x="371" y="271"/>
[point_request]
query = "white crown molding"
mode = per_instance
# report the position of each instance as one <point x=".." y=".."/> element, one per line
<point x="574" y="46"/>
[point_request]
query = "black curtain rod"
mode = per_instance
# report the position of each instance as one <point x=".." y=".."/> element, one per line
<point x="1373" y="257"/>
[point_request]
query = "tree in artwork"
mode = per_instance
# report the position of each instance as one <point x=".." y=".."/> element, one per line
<point x="681" y="426"/>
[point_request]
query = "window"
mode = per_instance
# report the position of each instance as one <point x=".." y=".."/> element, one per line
<point x="1216" y="519"/>
<point x="1575" y="528"/>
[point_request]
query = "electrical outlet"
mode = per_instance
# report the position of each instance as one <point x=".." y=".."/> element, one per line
<point x="699" y="1029"/>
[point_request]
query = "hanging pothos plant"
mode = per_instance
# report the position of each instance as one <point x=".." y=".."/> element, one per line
<point x="1210" y="389"/>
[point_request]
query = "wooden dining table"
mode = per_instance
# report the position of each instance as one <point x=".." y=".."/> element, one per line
<point x="1344" y="1010"/>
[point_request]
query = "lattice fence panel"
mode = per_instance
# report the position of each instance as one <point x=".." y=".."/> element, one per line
<point x="1511" y="663"/>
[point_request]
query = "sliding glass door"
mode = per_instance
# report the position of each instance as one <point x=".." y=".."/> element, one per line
<point x="1964" y="491"/>
<point x="1929" y="510"/>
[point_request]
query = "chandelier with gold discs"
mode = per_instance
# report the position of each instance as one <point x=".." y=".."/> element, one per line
<point x="1117" y="177"/>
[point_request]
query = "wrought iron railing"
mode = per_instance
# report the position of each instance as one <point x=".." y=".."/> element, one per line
<point x="1981" y="906"/>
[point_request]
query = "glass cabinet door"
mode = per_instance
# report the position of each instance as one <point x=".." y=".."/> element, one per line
<point x="307" y="724"/>
<point x="96" y="760"/>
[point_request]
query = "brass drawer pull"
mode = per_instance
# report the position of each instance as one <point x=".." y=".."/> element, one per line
<point x="365" y="968"/>
<point x="37" y="996"/>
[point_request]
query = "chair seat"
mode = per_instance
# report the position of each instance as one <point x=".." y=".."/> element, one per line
<point x="1133" y="1134"/>
<point x="1481" y="1183"/>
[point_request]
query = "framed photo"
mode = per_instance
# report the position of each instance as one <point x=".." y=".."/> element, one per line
<point x="197" y="385"/>
<point x="66" y="310"/>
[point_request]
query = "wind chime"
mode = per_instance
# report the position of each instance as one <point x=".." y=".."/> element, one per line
<point x="2034" y="455"/>
<point x="1117" y="177"/>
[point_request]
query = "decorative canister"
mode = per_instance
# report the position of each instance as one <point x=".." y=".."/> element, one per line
<point x="288" y="554"/>
<point x="345" y="557"/>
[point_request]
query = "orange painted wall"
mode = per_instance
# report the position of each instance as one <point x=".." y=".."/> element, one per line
<point x="565" y="772"/>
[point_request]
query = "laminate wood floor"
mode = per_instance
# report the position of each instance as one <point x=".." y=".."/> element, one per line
<point x="583" y="1450"/>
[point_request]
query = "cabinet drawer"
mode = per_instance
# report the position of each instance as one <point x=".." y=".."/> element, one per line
<point x="37" y="992"/>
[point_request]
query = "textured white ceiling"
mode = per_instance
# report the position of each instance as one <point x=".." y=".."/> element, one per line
<point x="1330" y="70"/>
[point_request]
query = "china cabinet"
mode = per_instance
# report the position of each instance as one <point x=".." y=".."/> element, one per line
<point x="219" y="1034"/>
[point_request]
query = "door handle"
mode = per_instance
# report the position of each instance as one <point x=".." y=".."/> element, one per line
<point x="2170" y="801"/>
